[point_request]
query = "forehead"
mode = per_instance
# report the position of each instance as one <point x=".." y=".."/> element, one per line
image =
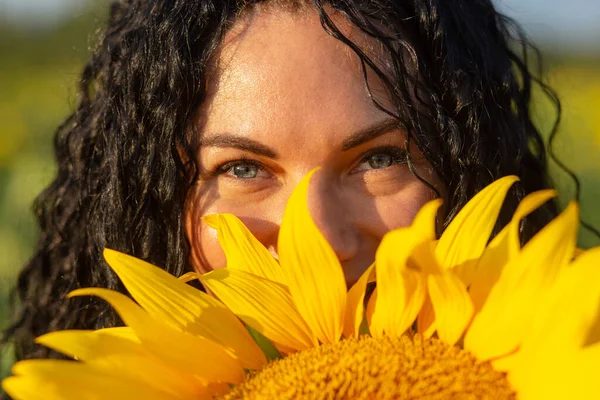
<point x="279" y="71"/>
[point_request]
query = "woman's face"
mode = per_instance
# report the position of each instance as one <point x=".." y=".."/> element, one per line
<point x="284" y="98"/>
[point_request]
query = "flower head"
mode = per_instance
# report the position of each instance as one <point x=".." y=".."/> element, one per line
<point x="458" y="315"/>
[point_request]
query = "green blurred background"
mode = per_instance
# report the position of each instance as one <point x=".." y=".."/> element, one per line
<point x="43" y="46"/>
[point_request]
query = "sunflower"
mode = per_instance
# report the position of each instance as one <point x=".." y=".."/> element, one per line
<point x="179" y="343"/>
<point x="494" y="300"/>
<point x="456" y="317"/>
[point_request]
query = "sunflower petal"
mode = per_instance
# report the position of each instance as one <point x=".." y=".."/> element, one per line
<point x="118" y="350"/>
<point x="355" y="303"/>
<point x="207" y="359"/>
<point x="411" y="296"/>
<point x="585" y="258"/>
<point x="426" y="319"/>
<point x="242" y="250"/>
<point x="188" y="277"/>
<point x="423" y="256"/>
<point x="313" y="272"/>
<point x="468" y="233"/>
<point x="371" y="307"/>
<point x="264" y="305"/>
<point x="65" y="380"/>
<point x="401" y="289"/>
<point x="578" y="251"/>
<point x="424" y="223"/>
<point x="88" y="345"/>
<point x="452" y="305"/>
<point x="506" y="315"/>
<point x="552" y="375"/>
<point x="575" y="302"/>
<point x="501" y="249"/>
<point x="183" y="307"/>
<point x="529" y="204"/>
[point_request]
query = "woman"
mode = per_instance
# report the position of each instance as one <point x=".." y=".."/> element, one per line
<point x="195" y="107"/>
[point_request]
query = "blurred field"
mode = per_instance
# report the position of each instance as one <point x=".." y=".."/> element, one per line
<point x="577" y="144"/>
<point x="38" y="71"/>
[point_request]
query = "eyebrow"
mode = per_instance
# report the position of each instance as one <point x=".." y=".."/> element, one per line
<point x="247" y="144"/>
<point x="370" y="133"/>
<point x="238" y="142"/>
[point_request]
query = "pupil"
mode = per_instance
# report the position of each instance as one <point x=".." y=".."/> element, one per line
<point x="379" y="161"/>
<point x="245" y="171"/>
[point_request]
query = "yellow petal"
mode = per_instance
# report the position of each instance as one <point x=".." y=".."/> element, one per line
<point x="424" y="258"/>
<point x="313" y="272"/>
<point x="65" y="380"/>
<point x="468" y="233"/>
<point x="242" y="250"/>
<point x="264" y="305"/>
<point x="180" y="350"/>
<point x="401" y="289"/>
<point x="424" y="223"/>
<point x="503" y="247"/>
<point x="558" y="376"/>
<point x="578" y="251"/>
<point x="371" y="307"/>
<point x="118" y="351"/>
<point x="451" y="304"/>
<point x="448" y="308"/>
<point x="570" y="311"/>
<point x="183" y="307"/>
<point x="188" y="277"/>
<point x="88" y="345"/>
<point x="529" y="204"/>
<point x="426" y="319"/>
<point x="506" y="316"/>
<point x="401" y="293"/>
<point x="355" y="304"/>
<point x="411" y="296"/>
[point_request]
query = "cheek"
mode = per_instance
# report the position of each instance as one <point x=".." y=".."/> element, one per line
<point x="261" y="218"/>
<point x="206" y="251"/>
<point x="400" y="209"/>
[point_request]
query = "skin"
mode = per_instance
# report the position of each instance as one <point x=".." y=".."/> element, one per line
<point x="284" y="98"/>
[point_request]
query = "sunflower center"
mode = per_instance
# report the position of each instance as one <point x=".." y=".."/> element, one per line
<point x="378" y="368"/>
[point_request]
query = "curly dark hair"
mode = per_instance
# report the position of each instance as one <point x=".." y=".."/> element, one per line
<point x="457" y="72"/>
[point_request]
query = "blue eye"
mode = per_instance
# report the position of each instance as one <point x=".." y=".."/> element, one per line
<point x="243" y="170"/>
<point x="383" y="158"/>
<point x="378" y="161"/>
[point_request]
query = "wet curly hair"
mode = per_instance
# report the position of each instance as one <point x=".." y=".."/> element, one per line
<point x="459" y="78"/>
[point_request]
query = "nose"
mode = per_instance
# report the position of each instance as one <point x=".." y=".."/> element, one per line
<point x="330" y="213"/>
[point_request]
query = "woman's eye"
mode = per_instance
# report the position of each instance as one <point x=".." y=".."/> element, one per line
<point x="382" y="159"/>
<point x="243" y="171"/>
<point x="240" y="170"/>
<point x="378" y="161"/>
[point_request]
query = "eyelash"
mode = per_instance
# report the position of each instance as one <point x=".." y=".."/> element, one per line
<point x="227" y="165"/>
<point x="400" y="156"/>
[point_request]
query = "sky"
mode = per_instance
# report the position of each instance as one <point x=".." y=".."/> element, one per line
<point x="34" y="12"/>
<point x="563" y="24"/>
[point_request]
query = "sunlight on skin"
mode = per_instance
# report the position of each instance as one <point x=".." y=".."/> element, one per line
<point x="287" y="98"/>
